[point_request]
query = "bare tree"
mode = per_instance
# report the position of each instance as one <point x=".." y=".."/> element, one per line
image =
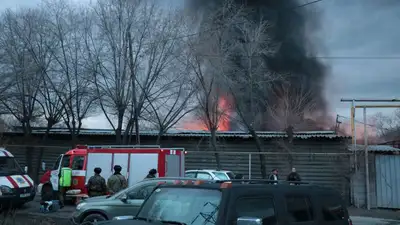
<point x="174" y="103"/>
<point x="290" y="112"/>
<point x="388" y="126"/>
<point x="138" y="44"/>
<point x="291" y="107"/>
<point x="39" y="47"/>
<point x="251" y="79"/>
<point x="108" y="49"/>
<point x="21" y="73"/>
<point x="69" y="26"/>
<point x="208" y="57"/>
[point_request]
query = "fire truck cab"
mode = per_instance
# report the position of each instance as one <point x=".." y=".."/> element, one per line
<point x="135" y="160"/>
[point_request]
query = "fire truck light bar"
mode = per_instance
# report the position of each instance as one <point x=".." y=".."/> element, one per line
<point x="121" y="146"/>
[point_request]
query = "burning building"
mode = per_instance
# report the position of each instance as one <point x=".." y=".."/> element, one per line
<point x="293" y="28"/>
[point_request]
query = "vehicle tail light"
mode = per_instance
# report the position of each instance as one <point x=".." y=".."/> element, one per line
<point x="226" y="185"/>
<point x="198" y="182"/>
<point x="350" y="222"/>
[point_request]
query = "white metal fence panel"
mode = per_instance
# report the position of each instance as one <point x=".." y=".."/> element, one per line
<point x="388" y="181"/>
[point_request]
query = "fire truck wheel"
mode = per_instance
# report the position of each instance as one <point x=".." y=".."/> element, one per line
<point x="94" y="218"/>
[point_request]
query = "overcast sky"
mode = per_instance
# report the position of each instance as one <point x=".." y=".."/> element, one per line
<point x="356" y="28"/>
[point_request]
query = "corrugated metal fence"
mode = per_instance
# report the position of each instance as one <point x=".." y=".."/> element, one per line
<point x="387" y="181"/>
<point x="327" y="169"/>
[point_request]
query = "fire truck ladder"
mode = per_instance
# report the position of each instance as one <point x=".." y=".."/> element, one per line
<point x="121" y="146"/>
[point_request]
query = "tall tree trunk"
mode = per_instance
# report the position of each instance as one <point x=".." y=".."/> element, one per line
<point x="213" y="140"/>
<point x="41" y="152"/>
<point x="260" y="150"/>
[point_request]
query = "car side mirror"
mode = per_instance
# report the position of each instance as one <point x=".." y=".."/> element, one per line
<point x="124" y="198"/>
<point x="249" y="221"/>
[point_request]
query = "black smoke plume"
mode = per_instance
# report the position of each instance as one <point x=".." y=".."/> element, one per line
<point x="293" y="30"/>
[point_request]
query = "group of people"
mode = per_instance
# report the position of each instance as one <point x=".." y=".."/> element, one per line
<point x="274" y="176"/>
<point x="293" y="176"/>
<point x="97" y="185"/>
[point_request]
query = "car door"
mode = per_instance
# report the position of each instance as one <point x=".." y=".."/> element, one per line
<point x="332" y="210"/>
<point x="135" y="198"/>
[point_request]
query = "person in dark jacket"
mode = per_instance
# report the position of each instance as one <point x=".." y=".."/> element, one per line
<point x="117" y="181"/>
<point x="152" y="174"/>
<point x="274" y="175"/>
<point x="293" y="176"/>
<point x="97" y="184"/>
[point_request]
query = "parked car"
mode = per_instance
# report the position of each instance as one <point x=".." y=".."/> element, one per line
<point x="253" y="202"/>
<point x="210" y="174"/>
<point x="125" y="202"/>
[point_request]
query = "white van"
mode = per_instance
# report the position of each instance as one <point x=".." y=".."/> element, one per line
<point x="16" y="187"/>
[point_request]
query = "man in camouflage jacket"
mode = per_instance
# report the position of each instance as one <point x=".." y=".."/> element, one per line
<point x="97" y="184"/>
<point x="117" y="181"/>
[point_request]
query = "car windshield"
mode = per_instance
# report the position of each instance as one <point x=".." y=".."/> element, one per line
<point x="8" y="166"/>
<point x="221" y="175"/>
<point x="187" y="206"/>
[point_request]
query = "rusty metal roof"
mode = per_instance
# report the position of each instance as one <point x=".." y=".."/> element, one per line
<point x="375" y="148"/>
<point x="188" y="133"/>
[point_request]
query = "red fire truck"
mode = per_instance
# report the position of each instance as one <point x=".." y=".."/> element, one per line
<point x="136" y="161"/>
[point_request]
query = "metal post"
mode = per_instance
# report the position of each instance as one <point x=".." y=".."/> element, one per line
<point x="250" y="166"/>
<point x="366" y="160"/>
<point x="353" y="133"/>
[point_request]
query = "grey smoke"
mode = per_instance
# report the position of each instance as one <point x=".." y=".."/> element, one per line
<point x="294" y="27"/>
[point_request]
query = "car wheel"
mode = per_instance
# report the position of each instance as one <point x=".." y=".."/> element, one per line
<point x="94" y="218"/>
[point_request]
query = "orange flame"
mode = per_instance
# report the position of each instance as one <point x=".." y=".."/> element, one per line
<point x="223" y="122"/>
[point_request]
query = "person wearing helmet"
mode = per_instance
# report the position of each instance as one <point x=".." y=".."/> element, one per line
<point x="97" y="184"/>
<point x="152" y="174"/>
<point x="117" y="181"/>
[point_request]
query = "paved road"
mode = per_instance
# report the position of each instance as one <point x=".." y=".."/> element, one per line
<point x="358" y="220"/>
<point x="29" y="214"/>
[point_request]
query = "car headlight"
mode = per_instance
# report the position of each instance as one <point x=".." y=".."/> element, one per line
<point x="5" y="190"/>
<point x="80" y="205"/>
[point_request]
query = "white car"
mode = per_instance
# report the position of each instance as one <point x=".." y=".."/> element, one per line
<point x="210" y="174"/>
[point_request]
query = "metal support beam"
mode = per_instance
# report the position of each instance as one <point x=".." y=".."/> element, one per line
<point x="370" y="100"/>
<point x="377" y="106"/>
<point x="366" y="158"/>
<point x="353" y="130"/>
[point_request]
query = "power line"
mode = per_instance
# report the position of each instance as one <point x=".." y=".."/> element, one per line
<point x="312" y="57"/>
<point x="223" y="26"/>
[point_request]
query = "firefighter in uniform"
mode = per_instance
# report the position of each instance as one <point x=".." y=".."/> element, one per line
<point x="97" y="184"/>
<point x="152" y="174"/>
<point x="117" y="181"/>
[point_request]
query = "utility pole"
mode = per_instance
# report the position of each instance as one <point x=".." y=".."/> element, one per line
<point x="354" y="139"/>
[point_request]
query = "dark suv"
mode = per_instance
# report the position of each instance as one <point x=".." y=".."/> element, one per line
<point x="245" y="202"/>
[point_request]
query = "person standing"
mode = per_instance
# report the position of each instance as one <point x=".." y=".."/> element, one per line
<point x="152" y="174"/>
<point x="293" y="176"/>
<point x="117" y="181"/>
<point x="97" y="184"/>
<point x="274" y="176"/>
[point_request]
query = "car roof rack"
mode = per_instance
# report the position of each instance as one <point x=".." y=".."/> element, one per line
<point x="261" y="181"/>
